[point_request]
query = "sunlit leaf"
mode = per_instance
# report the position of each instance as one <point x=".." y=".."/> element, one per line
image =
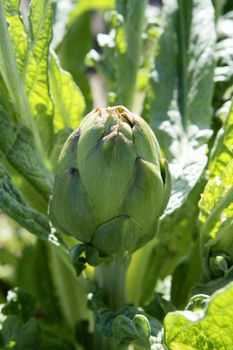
<point x="198" y="330"/>
<point x="68" y="99"/>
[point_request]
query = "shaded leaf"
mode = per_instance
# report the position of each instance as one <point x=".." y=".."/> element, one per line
<point x="16" y="143"/>
<point x="13" y="205"/>
<point x="34" y="275"/>
<point x="19" y="335"/>
<point x="126" y="325"/>
<point x="19" y="303"/>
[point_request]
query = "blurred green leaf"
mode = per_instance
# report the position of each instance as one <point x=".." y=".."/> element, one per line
<point x="66" y="285"/>
<point x="178" y="102"/>
<point x="52" y="339"/>
<point x="83" y="6"/>
<point x="182" y="286"/>
<point x="72" y="51"/>
<point x="34" y="264"/>
<point x="21" y="336"/>
<point x="19" y="303"/>
<point x="128" y="43"/>
<point x="159" y="307"/>
<point x="20" y="331"/>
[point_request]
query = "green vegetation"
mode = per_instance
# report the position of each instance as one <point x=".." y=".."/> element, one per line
<point x="104" y="245"/>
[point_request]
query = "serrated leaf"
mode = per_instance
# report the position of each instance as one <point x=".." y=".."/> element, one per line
<point x="36" y="70"/>
<point x="126" y="331"/>
<point x="13" y="205"/>
<point x="69" y="102"/>
<point x="178" y="102"/>
<point x="13" y="68"/>
<point x="126" y="325"/>
<point x="16" y="143"/>
<point x="16" y="31"/>
<point x="208" y="329"/>
<point x="216" y="204"/>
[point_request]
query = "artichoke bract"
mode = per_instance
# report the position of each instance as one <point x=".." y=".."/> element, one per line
<point x="111" y="184"/>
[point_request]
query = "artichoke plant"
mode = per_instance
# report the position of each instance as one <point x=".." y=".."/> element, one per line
<point x="111" y="184"/>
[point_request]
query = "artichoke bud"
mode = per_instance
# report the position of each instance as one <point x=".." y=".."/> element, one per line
<point x="111" y="184"/>
<point x="219" y="264"/>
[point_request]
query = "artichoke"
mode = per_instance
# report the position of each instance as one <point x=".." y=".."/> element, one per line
<point x="111" y="184"/>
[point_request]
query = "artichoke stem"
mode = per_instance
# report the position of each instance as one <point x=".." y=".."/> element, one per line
<point x="111" y="278"/>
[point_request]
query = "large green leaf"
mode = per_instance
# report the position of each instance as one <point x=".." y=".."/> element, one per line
<point x="35" y="75"/>
<point x="13" y="205"/>
<point x="23" y="65"/>
<point x="211" y="328"/>
<point x="178" y="102"/>
<point x="69" y="102"/>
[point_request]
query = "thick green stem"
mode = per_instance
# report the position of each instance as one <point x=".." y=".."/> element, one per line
<point x="111" y="278"/>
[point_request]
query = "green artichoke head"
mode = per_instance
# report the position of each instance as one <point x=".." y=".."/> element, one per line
<point x="111" y="184"/>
